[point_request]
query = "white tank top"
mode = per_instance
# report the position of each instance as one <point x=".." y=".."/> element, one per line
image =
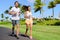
<point x="29" y="14"/>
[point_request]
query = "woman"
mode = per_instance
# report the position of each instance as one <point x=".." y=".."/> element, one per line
<point x="29" y="20"/>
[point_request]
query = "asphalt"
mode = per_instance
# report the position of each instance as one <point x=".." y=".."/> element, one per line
<point x="5" y="35"/>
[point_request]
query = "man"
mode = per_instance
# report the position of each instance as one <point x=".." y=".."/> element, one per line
<point x="15" y="12"/>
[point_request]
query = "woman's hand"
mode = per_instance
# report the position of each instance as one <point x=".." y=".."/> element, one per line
<point x="26" y="16"/>
<point x="33" y="18"/>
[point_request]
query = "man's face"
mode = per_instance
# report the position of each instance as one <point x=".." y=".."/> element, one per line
<point x="29" y="8"/>
<point x="16" y="4"/>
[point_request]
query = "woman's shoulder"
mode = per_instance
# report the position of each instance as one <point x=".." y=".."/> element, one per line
<point x="28" y="12"/>
<point x="25" y="12"/>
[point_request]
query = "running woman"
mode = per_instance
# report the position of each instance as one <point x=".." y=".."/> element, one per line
<point x="15" y="12"/>
<point x="29" y="20"/>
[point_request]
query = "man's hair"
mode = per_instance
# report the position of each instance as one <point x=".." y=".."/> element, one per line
<point x="16" y="2"/>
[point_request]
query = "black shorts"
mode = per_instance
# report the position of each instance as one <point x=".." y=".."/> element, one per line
<point x="15" y="22"/>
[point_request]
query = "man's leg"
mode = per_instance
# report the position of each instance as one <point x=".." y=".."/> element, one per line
<point x="13" y="24"/>
<point x="13" y="29"/>
<point x="17" y="29"/>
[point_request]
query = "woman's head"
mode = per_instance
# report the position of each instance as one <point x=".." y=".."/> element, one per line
<point x="26" y="8"/>
<point x="16" y="3"/>
<point x="29" y="8"/>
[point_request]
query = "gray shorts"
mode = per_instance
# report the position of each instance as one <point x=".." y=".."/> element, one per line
<point x="15" y="22"/>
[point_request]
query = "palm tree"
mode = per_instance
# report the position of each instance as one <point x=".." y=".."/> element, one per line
<point x="52" y="5"/>
<point x="57" y="1"/>
<point x="10" y="7"/>
<point x="2" y="16"/>
<point x="19" y="5"/>
<point x="38" y="5"/>
<point x="6" y="11"/>
<point x="6" y="18"/>
<point x="23" y="8"/>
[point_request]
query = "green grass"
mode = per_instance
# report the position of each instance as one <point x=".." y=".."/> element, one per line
<point x="41" y="32"/>
<point x="48" y="22"/>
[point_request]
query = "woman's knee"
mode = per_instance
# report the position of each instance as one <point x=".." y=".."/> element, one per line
<point x="30" y="26"/>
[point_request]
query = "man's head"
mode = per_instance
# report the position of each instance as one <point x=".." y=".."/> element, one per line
<point x="16" y="3"/>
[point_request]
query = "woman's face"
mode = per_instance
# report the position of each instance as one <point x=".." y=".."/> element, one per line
<point x="16" y="4"/>
<point x="29" y="8"/>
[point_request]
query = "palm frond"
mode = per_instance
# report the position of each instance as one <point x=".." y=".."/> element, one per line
<point x="6" y="11"/>
<point x="57" y="1"/>
<point x="10" y="7"/>
<point x="51" y="4"/>
<point x="38" y="5"/>
<point x="37" y="9"/>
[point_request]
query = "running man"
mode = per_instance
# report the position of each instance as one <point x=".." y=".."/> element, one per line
<point x="15" y="12"/>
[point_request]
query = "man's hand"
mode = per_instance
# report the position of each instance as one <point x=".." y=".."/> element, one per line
<point x="12" y="12"/>
<point x="19" y="13"/>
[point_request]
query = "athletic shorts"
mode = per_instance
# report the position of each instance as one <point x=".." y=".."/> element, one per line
<point x="29" y="21"/>
<point x="15" y="22"/>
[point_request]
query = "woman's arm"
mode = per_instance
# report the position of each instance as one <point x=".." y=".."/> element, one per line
<point x="33" y="18"/>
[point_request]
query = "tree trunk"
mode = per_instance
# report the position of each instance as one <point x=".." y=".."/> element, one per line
<point x="53" y="12"/>
<point x="41" y="14"/>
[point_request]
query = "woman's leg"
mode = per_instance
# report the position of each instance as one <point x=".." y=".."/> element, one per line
<point x="27" y="25"/>
<point x="31" y="31"/>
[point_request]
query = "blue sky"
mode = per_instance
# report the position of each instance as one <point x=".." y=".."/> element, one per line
<point x="5" y="4"/>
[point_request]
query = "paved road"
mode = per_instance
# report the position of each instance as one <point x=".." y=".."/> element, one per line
<point x="5" y="35"/>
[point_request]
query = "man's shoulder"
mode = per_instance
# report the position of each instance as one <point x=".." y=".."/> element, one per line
<point x="18" y="8"/>
<point x="13" y="8"/>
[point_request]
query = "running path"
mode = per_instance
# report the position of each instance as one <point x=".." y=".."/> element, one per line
<point x="5" y="35"/>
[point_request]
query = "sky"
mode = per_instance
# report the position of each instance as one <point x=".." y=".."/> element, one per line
<point x="5" y="4"/>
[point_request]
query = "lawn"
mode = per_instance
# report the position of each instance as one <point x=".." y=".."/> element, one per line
<point x="41" y="32"/>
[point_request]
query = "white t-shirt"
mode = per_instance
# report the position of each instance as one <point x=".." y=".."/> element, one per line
<point x="16" y="16"/>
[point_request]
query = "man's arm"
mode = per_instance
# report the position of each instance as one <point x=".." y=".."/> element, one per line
<point x="12" y="12"/>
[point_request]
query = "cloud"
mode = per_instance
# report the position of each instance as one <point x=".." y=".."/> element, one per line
<point x="31" y="1"/>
